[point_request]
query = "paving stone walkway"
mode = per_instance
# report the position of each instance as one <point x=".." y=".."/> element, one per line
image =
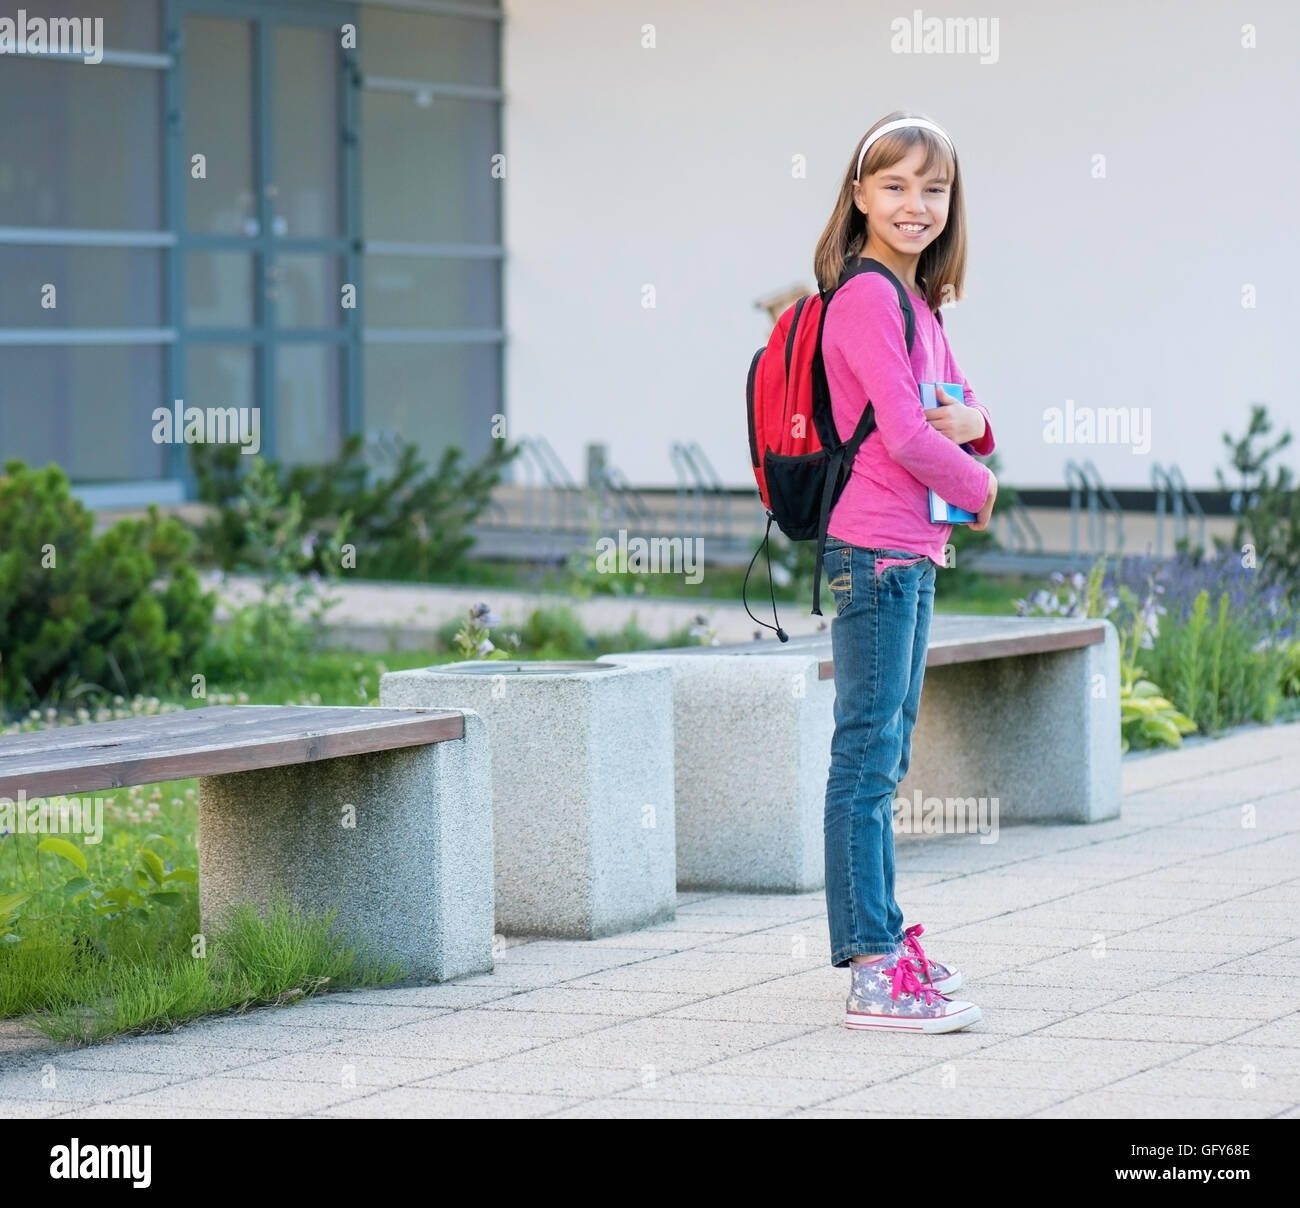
<point x="1147" y="967"/>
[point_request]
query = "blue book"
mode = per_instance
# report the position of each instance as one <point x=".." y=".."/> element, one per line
<point x="941" y="511"/>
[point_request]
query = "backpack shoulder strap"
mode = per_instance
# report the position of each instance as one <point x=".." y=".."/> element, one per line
<point x="845" y="454"/>
<point x="867" y="421"/>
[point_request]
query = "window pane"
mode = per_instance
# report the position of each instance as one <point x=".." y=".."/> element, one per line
<point x="307" y="291"/>
<point x="128" y="24"/>
<point x="434" y="394"/>
<point x="419" y="46"/>
<point x="82" y="145"/>
<point x="307" y="400"/>
<point x="219" y="289"/>
<point x="428" y="169"/>
<point x="87" y="409"/>
<point x="306" y="137"/>
<point x="220" y="375"/>
<point x="414" y="291"/>
<point x="219" y="126"/>
<point x="93" y="287"/>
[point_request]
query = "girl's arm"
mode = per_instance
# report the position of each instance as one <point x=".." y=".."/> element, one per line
<point x="864" y="337"/>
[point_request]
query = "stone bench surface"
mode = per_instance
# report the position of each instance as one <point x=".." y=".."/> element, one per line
<point x="954" y="638"/>
<point x="208" y="742"/>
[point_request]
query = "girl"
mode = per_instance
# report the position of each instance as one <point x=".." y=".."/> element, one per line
<point x="900" y="204"/>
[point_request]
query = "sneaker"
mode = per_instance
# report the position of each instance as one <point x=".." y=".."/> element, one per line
<point x="929" y="973"/>
<point x="886" y="995"/>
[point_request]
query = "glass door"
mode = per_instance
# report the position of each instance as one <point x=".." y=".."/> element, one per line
<point x="265" y="214"/>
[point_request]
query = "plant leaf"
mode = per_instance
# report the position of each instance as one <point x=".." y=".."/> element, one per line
<point x="153" y="865"/>
<point x="9" y="902"/>
<point x="61" y="847"/>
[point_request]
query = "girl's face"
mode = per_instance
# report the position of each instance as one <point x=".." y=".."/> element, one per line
<point x="905" y="210"/>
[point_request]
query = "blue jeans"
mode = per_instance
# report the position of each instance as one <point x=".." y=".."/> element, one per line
<point x="878" y="638"/>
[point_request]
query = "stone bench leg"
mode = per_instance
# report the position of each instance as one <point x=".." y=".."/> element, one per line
<point x="1038" y="733"/>
<point x="752" y="748"/>
<point x="412" y="878"/>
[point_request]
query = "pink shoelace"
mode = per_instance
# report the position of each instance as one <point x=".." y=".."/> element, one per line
<point x="905" y="981"/>
<point x="912" y="943"/>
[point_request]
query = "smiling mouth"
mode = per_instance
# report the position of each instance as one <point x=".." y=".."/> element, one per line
<point x="912" y="228"/>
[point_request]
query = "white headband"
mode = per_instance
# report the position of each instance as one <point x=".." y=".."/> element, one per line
<point x="901" y="124"/>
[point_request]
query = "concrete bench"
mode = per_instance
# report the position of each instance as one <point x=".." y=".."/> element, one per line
<point x="1021" y="712"/>
<point x="582" y="772"/>
<point x="385" y="814"/>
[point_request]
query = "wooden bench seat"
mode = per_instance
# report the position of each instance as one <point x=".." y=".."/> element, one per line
<point x="382" y="813"/>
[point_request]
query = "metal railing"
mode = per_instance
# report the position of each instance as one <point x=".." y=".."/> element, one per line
<point x="699" y="484"/>
<point x="1015" y="529"/>
<point x="1101" y="502"/>
<point x="1172" y="493"/>
<point x="618" y="495"/>
<point x="553" y="501"/>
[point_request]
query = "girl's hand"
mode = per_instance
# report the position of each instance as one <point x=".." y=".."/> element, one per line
<point x="958" y="422"/>
<point x="981" y="521"/>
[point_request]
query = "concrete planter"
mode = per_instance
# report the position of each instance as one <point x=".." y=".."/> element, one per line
<point x="582" y="773"/>
<point x="752" y="752"/>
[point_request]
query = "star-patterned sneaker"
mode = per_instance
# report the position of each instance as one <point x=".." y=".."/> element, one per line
<point x="929" y="973"/>
<point x="885" y="995"/>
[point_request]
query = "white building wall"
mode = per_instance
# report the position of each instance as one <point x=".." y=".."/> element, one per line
<point x="671" y="167"/>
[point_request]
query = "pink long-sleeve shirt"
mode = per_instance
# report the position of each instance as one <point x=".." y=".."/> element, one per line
<point x="885" y="503"/>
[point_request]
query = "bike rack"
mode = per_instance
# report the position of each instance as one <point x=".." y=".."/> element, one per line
<point x="714" y="487"/>
<point x="1175" y="476"/>
<point x="629" y="502"/>
<point x="1021" y="533"/>
<point x="1086" y="477"/>
<point x="697" y="479"/>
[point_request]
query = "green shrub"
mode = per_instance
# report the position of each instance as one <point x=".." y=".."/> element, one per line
<point x="410" y="524"/>
<point x="1216" y="671"/>
<point x="1268" y="515"/>
<point x="555" y="633"/>
<point x="82" y="615"/>
<point x="1289" y="682"/>
<point x="268" y="638"/>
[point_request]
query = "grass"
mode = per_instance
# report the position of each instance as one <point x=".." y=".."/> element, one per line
<point x="82" y="963"/>
<point x="74" y="994"/>
<point x="977" y="594"/>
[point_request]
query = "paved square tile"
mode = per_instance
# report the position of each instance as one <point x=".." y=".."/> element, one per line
<point x="1145" y="968"/>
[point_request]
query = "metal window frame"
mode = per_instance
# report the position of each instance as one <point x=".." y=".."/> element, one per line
<point x="73" y="237"/>
<point x="150" y="60"/>
<point x="350" y="246"/>
<point x="266" y="335"/>
<point x="438" y="8"/>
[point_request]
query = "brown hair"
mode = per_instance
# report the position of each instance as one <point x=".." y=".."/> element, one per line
<point x="941" y="270"/>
